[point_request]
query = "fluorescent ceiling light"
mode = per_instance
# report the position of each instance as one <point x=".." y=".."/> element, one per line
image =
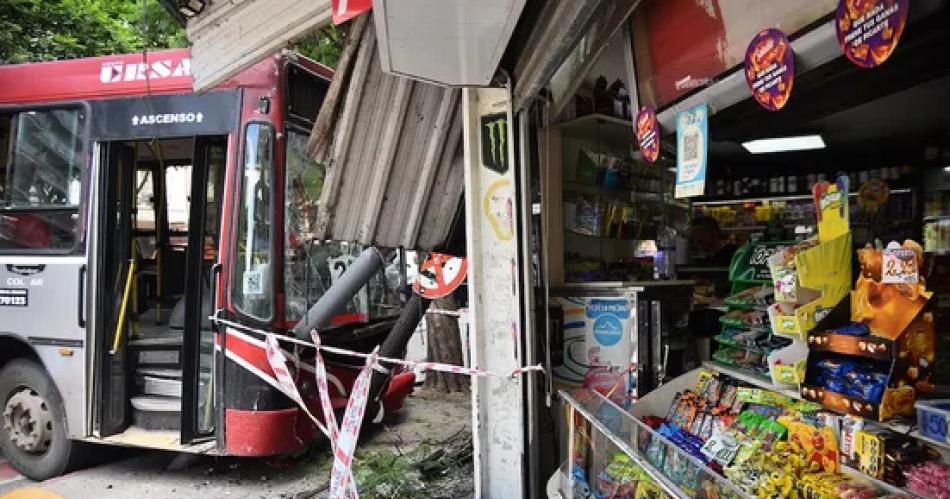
<point x="784" y="144"/>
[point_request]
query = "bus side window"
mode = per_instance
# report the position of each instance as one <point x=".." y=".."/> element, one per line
<point x="41" y="174"/>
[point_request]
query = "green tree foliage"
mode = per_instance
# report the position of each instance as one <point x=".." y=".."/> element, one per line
<point x="42" y="30"/>
<point x="323" y="46"/>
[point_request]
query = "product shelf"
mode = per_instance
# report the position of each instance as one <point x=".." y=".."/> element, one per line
<point x="601" y="238"/>
<point x="760" y="382"/>
<point x="757" y="381"/>
<point x="936" y="443"/>
<point x="601" y="127"/>
<point x="744" y="346"/>
<point x="896" y="426"/>
<point x="626" y="194"/>
<point x="762" y="199"/>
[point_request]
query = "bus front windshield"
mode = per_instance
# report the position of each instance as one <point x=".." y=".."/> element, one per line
<point x="311" y="266"/>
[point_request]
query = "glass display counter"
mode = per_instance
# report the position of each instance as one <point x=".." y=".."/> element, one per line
<point x="611" y="454"/>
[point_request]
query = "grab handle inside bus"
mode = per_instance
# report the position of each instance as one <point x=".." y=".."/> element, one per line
<point x="123" y="309"/>
<point x="81" y="302"/>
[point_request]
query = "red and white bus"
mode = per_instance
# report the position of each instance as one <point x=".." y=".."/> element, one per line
<point x="132" y="211"/>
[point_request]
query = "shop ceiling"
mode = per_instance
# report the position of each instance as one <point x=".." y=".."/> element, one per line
<point x="904" y="103"/>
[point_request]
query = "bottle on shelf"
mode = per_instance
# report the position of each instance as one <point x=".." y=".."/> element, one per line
<point x="792" y="184"/>
<point x="665" y="260"/>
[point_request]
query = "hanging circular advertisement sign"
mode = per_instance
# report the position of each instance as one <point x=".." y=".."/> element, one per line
<point x="648" y="134"/>
<point x="770" y="68"/>
<point x="868" y="30"/>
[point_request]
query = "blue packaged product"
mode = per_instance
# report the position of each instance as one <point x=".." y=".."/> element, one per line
<point x="854" y="329"/>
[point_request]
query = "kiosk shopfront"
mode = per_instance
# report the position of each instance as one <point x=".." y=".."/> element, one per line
<point x="817" y="137"/>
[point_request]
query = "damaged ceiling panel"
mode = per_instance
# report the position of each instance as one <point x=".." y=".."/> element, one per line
<point x="230" y="36"/>
<point x="393" y="151"/>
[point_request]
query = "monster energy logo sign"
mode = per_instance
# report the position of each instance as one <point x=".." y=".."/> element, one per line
<point x="495" y="141"/>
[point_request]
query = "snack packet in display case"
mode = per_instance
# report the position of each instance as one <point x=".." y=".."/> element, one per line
<point x="650" y="490"/>
<point x="711" y="391"/>
<point x="754" y="297"/>
<point x="756" y="319"/>
<point x="722" y="447"/>
<point x="656" y="452"/>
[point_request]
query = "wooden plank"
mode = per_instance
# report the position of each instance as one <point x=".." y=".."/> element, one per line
<point x="433" y="156"/>
<point x="384" y="157"/>
<point x="322" y="133"/>
<point x="343" y="133"/>
<point x="394" y="167"/>
<point x="444" y="201"/>
<point x="365" y="143"/>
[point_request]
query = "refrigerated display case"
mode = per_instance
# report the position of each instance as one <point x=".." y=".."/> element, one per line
<point x="621" y="339"/>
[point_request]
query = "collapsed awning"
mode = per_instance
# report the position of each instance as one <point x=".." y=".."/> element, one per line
<point x="453" y="42"/>
<point x="393" y="152"/>
<point x="228" y="37"/>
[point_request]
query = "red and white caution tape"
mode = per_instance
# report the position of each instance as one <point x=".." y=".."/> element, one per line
<point x="431" y="366"/>
<point x="320" y="373"/>
<point x="278" y="364"/>
<point x="344" y="437"/>
<point x="341" y="478"/>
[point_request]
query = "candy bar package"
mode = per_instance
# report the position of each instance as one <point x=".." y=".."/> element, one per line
<point x="709" y="425"/>
<point x="849" y="427"/>
<point x="656" y="452"/>
<point x="728" y="396"/>
<point x="855" y="378"/>
<point x="696" y="427"/>
<point x="711" y="391"/>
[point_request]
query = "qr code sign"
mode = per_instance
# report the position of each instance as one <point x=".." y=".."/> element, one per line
<point x="691" y="147"/>
<point x="253" y="282"/>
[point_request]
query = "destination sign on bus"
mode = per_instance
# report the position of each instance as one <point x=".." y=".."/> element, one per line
<point x="173" y="115"/>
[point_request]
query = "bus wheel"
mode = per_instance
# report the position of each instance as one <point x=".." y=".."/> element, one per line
<point x="32" y="422"/>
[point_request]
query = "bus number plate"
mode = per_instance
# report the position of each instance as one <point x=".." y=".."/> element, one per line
<point x="14" y="297"/>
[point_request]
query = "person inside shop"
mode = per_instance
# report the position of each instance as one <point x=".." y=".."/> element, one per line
<point x="712" y="284"/>
<point x="707" y="236"/>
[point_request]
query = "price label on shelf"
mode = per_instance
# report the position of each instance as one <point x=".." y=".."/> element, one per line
<point x="900" y="266"/>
